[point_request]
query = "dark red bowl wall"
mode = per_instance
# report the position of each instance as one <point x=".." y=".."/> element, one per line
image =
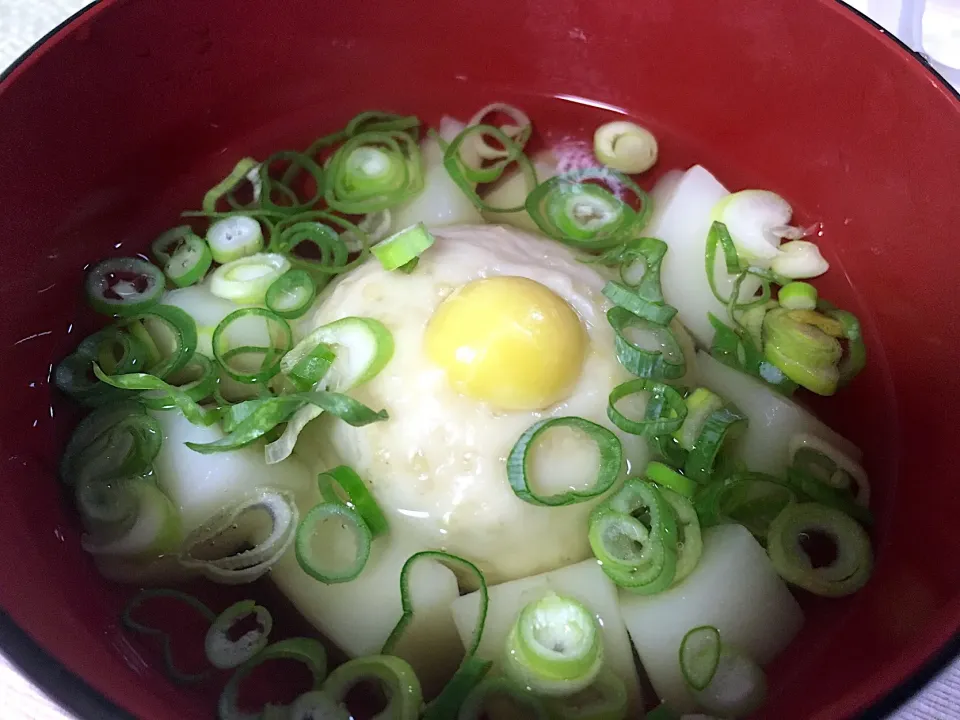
<point x="131" y="113"/>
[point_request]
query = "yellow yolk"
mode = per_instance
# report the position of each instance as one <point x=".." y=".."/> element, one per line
<point x="508" y="341"/>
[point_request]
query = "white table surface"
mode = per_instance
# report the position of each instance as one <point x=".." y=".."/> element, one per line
<point x="22" y="22"/>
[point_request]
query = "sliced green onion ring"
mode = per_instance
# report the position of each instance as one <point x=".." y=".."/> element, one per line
<point x="373" y="170"/>
<point x="640" y="555"/>
<point x="189" y="262"/>
<point x="467" y="175"/>
<point x="198" y="379"/>
<point x="796" y="342"/>
<point x="305" y="650"/>
<point x="524" y="703"/>
<point x="719" y="236"/>
<point x="689" y="539"/>
<point x="172" y="396"/>
<point x="252" y="364"/>
<point x="625" y="146"/>
<point x="313" y="367"/>
<point x="74" y="374"/>
<point x="123" y="286"/>
<point x="344" y="520"/>
<point x="153" y="529"/>
<point x="403" y="247"/>
<point x="447" y="704"/>
<point x="605" y="699"/>
<point x="700" y="655"/>
<point x="355" y="494"/>
<point x="406" y="602"/>
<point x="855" y="357"/>
<point x="242" y="171"/>
<point x="215" y="548"/>
<point x="700" y="403"/>
<point x="830" y="465"/>
<point x="281" y="195"/>
<point x="640" y="263"/>
<point x="225" y="653"/>
<point x="571" y="209"/>
<point x="404" y="696"/>
<point x="519" y="131"/>
<point x="234" y="237"/>
<point x="664" y="412"/>
<point x="665" y="476"/>
<point x="175" y="330"/>
<point x="377" y="121"/>
<point x="134" y="626"/>
<point x="810" y="488"/>
<point x="246" y="281"/>
<point x="555" y="647"/>
<point x="622" y="296"/>
<point x="330" y="246"/>
<point x="849" y="570"/>
<point x="721" y="426"/>
<point x="749" y="499"/>
<point x="118" y="440"/>
<point x="744" y="354"/>
<point x="798" y="295"/>
<point x="291" y="294"/>
<point x="611" y="462"/>
<point x="168" y="242"/>
<point x="363" y="347"/>
<point x="635" y="340"/>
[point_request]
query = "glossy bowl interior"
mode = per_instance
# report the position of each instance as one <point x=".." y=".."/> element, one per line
<point x="130" y="113"/>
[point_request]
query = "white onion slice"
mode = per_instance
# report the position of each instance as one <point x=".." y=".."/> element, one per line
<point x="799" y="259"/>
<point x="750" y="216"/>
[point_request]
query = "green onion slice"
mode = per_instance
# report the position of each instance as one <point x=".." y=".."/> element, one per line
<point x="640" y="263"/>
<point x="611" y="462"/>
<point x="167" y="243"/>
<point x="622" y="296"/>
<point x="644" y="348"/>
<point x="464" y="172"/>
<point x="524" y="702"/>
<point x="378" y="121"/>
<point x="244" y="170"/>
<point x="403" y="247"/>
<point x="668" y="450"/>
<point x="245" y="281"/>
<point x="555" y="647"/>
<point x="665" y="476"/>
<point x="134" y="626"/>
<point x="216" y="549"/>
<point x="189" y="262"/>
<point x="803" y="345"/>
<point x="305" y="650"/>
<point x="311" y="706"/>
<point x="855" y="357"/>
<point x="225" y="653"/>
<point x="283" y="195"/>
<point x="363" y="347"/>
<point x="153" y="529"/>
<point x="798" y="295"/>
<point x="809" y="487"/>
<point x="313" y="367"/>
<point x="700" y="655"/>
<point x="749" y="499"/>
<point x="574" y="210"/>
<point x="328" y="239"/>
<point x="198" y="380"/>
<point x="456" y="563"/>
<point x="354" y="493"/>
<point x="175" y="330"/>
<point x="721" y="426"/>
<point x="519" y="129"/>
<point x="74" y="374"/>
<point x="744" y="354"/>
<point x="248" y="363"/>
<point x="719" y="236"/>
<point x="848" y="571"/>
<point x="123" y="286"/>
<point x="605" y="699"/>
<point x="447" y="704"/>
<point x="234" y="237"/>
<point x="634" y="536"/>
<point x="172" y="396"/>
<point x="252" y="419"/>
<point x="291" y="294"/>
<point x="114" y="441"/>
<point x="404" y="696"/>
<point x="664" y="410"/>
<point x="701" y="403"/>
<point x="373" y="170"/>
<point x="332" y="522"/>
<point x="689" y="539"/>
<point x="820" y="459"/>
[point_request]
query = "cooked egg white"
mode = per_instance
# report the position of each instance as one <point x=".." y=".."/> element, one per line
<point x="531" y="318"/>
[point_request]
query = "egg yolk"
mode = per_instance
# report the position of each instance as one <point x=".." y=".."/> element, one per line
<point x="508" y="341"/>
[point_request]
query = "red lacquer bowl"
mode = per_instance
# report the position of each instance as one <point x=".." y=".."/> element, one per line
<point x="124" y="116"/>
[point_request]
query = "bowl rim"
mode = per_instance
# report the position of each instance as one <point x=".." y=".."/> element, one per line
<point x="73" y="693"/>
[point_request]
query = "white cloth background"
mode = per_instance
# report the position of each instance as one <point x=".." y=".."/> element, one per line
<point x="23" y="22"/>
